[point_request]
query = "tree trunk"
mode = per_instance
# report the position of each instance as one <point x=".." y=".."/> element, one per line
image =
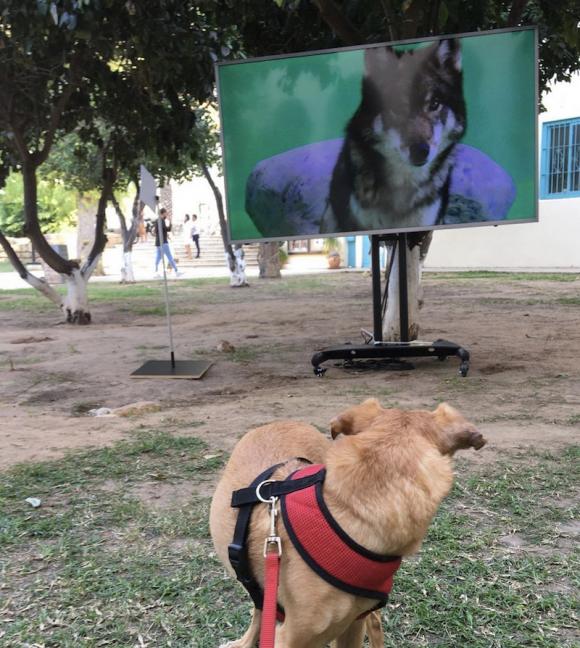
<point x="417" y="248"/>
<point x="339" y="23"/>
<point x="75" y="303"/>
<point x="269" y="261"/>
<point x="166" y="197"/>
<point x="128" y="235"/>
<point x="237" y="266"/>
<point x="234" y="260"/>
<point x="516" y="12"/>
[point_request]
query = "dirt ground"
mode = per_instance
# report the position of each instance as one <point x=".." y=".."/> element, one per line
<point x="523" y="387"/>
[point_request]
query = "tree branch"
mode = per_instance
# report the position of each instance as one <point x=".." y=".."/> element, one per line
<point x="72" y="85"/>
<point x="516" y="12"/>
<point x="390" y="16"/>
<point x="128" y="234"/>
<point x="31" y="226"/>
<point x="100" y="237"/>
<point x="411" y="19"/>
<point x="120" y="216"/>
<point x="339" y="23"/>
<point x="221" y="214"/>
<point x="35" y="282"/>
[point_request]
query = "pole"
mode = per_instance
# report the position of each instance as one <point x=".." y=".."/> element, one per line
<point x="160" y="233"/>
<point x="403" y="288"/>
<point x="376" y="269"/>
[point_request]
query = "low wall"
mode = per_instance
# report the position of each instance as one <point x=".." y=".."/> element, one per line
<point x="552" y="242"/>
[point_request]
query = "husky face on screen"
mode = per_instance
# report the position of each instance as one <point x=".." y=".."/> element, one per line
<point x="395" y="166"/>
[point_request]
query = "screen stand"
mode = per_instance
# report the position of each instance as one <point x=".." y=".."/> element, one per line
<point x="375" y="347"/>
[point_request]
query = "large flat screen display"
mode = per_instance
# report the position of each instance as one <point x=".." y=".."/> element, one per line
<point x="427" y="134"/>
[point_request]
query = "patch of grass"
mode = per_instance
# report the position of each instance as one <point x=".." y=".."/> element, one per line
<point x="32" y="303"/>
<point x="21" y="361"/>
<point x="6" y="266"/>
<point x="97" y="565"/>
<point x="159" y="310"/>
<point x="570" y="301"/>
<point x="298" y="284"/>
<point x="511" y="276"/>
<point x="244" y="354"/>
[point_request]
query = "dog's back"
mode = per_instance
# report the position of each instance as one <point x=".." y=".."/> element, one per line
<point x="394" y="168"/>
<point x="258" y="450"/>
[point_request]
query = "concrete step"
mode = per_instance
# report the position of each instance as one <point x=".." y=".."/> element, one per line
<point x="212" y="254"/>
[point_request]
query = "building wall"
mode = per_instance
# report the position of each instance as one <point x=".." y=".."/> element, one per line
<point x="552" y="242"/>
<point x="197" y="197"/>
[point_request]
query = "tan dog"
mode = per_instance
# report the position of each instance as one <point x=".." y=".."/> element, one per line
<point x="385" y="479"/>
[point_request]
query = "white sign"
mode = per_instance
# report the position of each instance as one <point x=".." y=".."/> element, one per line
<point x="148" y="189"/>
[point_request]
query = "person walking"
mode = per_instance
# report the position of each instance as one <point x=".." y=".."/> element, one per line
<point x="195" y="233"/>
<point x="162" y="240"/>
<point x="186" y="234"/>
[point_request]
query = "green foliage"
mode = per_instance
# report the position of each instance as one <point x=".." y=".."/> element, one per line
<point x="287" y="26"/>
<point x="330" y="244"/>
<point x="57" y="206"/>
<point x="108" y="85"/>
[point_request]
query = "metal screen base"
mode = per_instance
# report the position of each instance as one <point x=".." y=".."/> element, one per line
<point x="440" y="349"/>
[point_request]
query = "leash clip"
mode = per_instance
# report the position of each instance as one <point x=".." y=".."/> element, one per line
<point x="272" y="539"/>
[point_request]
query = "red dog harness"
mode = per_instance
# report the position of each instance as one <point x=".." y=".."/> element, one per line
<point x="316" y="535"/>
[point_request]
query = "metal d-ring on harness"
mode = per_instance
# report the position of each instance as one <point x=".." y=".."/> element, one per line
<point x="260" y="490"/>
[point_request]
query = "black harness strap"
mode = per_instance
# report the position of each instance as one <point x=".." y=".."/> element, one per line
<point x="245" y="499"/>
<point x="272" y="489"/>
<point x="238" y="549"/>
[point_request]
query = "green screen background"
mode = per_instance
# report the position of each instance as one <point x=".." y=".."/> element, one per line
<point x="268" y="107"/>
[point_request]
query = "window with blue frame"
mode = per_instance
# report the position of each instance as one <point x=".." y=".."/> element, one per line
<point x="560" y="163"/>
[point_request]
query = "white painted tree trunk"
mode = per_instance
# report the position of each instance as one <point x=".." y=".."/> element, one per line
<point x="237" y="267"/>
<point x="392" y="324"/>
<point x="127" y="275"/>
<point x="75" y="304"/>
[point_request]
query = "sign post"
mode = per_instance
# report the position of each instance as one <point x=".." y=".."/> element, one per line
<point x="192" y="369"/>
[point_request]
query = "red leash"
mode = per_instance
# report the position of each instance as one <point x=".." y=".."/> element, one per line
<point x="272" y="553"/>
<point x="268" y="629"/>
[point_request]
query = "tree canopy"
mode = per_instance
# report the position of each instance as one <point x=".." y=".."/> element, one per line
<point x="286" y="26"/>
<point x="124" y="77"/>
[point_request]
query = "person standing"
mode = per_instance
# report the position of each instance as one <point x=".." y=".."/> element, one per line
<point x="142" y="228"/>
<point x="195" y="233"/>
<point x="187" y="234"/>
<point x="162" y="241"/>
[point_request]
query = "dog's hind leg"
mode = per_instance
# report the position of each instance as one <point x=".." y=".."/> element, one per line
<point x="252" y="633"/>
<point x="352" y="637"/>
<point x="374" y="628"/>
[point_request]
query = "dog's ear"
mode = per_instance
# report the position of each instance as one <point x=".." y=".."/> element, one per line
<point x="355" y="419"/>
<point x="454" y="431"/>
<point x="449" y="52"/>
<point x="378" y="60"/>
